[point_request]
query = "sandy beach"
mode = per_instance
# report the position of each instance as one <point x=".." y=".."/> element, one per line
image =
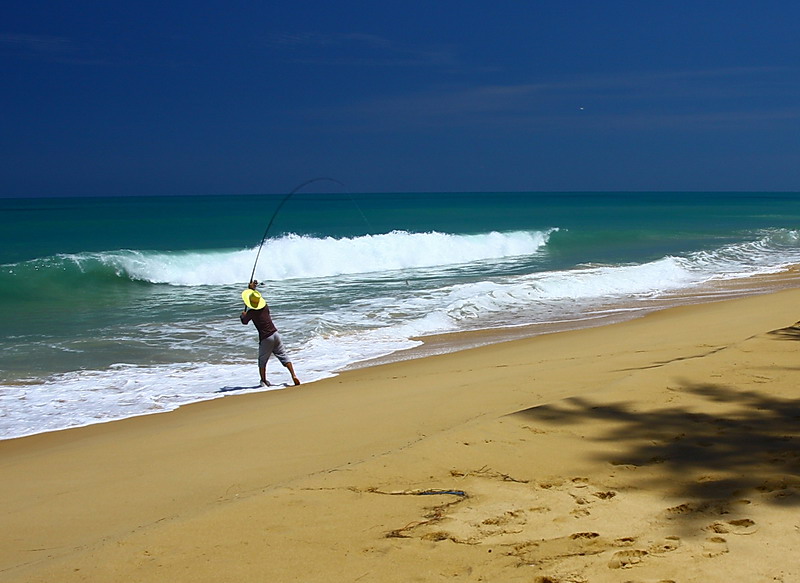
<point x="660" y="449"/>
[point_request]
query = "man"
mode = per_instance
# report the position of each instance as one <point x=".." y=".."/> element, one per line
<point x="269" y="341"/>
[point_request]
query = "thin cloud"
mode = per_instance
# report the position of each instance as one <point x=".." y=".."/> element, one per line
<point x="361" y="49"/>
<point x="713" y="99"/>
<point x="36" y="43"/>
<point x="42" y="47"/>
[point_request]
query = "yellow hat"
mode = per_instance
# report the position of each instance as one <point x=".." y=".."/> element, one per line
<point x="252" y="299"/>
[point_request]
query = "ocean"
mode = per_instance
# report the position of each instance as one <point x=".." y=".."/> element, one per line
<point x="116" y="307"/>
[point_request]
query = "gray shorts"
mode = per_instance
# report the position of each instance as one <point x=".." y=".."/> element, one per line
<point x="269" y="346"/>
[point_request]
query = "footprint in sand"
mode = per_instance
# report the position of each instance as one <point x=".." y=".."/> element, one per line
<point x="718" y="507"/>
<point x="669" y="544"/>
<point x="539" y="552"/>
<point x="740" y="526"/>
<point x="625" y="559"/>
<point x="780" y="487"/>
<point x="715" y="546"/>
<point x="630" y="557"/>
<point x="605" y="495"/>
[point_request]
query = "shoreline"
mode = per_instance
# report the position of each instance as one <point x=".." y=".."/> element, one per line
<point x="445" y="343"/>
<point x="721" y="290"/>
<point x="579" y="453"/>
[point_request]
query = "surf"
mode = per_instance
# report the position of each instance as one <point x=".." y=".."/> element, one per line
<point x="284" y="258"/>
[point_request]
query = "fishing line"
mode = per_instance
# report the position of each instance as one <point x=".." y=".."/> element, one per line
<point x="277" y="210"/>
<point x="363" y="216"/>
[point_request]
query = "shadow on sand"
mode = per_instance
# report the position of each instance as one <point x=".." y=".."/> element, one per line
<point x="745" y="442"/>
<point x="253" y="388"/>
<point x="232" y="389"/>
<point x="789" y="333"/>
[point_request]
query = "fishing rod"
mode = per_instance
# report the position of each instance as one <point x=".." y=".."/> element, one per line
<point x="275" y="214"/>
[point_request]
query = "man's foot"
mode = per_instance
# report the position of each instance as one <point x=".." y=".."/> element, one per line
<point x="266" y="384"/>
<point x="296" y="380"/>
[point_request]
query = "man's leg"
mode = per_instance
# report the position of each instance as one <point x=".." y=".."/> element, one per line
<point x="291" y="371"/>
<point x="264" y="350"/>
<point x="280" y="353"/>
<point x="262" y="370"/>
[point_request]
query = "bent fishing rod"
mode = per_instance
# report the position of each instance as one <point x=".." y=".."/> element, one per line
<point x="275" y="214"/>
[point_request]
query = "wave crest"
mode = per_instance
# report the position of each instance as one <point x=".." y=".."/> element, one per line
<point x="289" y="257"/>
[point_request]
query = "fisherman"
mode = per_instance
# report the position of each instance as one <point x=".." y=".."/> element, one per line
<point x="269" y="341"/>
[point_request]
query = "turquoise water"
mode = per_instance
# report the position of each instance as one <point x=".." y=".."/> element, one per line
<point x="123" y="306"/>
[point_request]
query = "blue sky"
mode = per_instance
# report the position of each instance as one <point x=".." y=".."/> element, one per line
<point x="152" y="98"/>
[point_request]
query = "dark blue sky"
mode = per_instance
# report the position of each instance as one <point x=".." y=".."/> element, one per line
<point x="103" y="98"/>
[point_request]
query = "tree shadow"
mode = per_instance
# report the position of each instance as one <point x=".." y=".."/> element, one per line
<point x="708" y="458"/>
<point x="788" y="333"/>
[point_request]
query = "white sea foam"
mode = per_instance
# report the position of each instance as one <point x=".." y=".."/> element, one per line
<point x="85" y="397"/>
<point x="773" y="251"/>
<point x="295" y="257"/>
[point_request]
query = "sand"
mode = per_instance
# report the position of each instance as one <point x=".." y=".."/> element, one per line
<point x="660" y="449"/>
